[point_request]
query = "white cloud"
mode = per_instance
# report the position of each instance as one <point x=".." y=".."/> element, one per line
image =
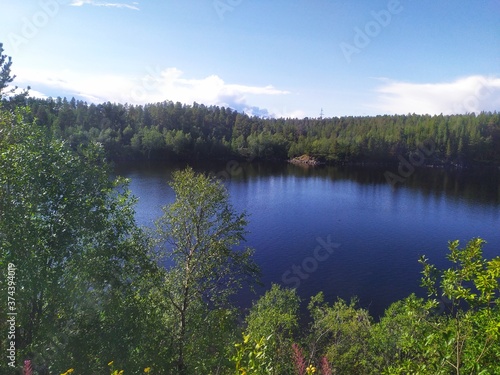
<point x="155" y="86"/>
<point x="92" y="88"/>
<point x="469" y="94"/>
<point x="169" y="84"/>
<point x="79" y="3"/>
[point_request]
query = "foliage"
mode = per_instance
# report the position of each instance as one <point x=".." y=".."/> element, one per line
<point x="396" y="332"/>
<point x="275" y="316"/>
<point x="301" y="366"/>
<point x="340" y="333"/>
<point x="252" y="357"/>
<point x="459" y="335"/>
<point x="5" y="76"/>
<point x="170" y="130"/>
<point x="70" y="232"/>
<point x="466" y="340"/>
<point x="197" y="236"/>
<point x="465" y="337"/>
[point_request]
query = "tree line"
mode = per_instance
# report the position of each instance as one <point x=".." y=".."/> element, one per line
<point x="178" y="131"/>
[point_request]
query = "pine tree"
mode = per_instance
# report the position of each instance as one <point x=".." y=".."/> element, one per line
<point x="5" y="75"/>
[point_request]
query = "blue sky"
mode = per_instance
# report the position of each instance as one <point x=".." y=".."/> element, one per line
<point x="288" y="58"/>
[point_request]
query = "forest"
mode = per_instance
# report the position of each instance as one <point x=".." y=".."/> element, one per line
<point x="85" y="290"/>
<point x="175" y="131"/>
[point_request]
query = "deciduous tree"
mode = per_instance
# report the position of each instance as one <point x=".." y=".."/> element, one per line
<point x="70" y="231"/>
<point x="198" y="237"/>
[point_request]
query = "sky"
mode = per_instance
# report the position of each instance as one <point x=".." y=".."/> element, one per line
<point x="270" y="58"/>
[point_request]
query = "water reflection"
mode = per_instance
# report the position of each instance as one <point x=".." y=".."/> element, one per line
<point x="382" y="230"/>
<point x="479" y="186"/>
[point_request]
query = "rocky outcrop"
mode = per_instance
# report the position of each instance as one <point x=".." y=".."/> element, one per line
<point x="305" y="160"/>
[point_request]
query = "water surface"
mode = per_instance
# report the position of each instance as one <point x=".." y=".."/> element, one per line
<point x="374" y="233"/>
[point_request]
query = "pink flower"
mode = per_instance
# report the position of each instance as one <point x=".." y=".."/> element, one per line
<point x="27" y="370"/>
<point x="325" y="367"/>
<point x="299" y="361"/>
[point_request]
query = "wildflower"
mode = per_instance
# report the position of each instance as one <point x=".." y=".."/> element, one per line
<point x="298" y="360"/>
<point x="28" y="369"/>
<point x="110" y="363"/>
<point x="325" y="367"/>
<point x="310" y="369"/>
<point x="147" y="370"/>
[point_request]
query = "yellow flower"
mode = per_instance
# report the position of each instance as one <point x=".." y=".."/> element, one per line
<point x="70" y="370"/>
<point x="310" y="369"/>
<point x="121" y="372"/>
<point x="110" y="363"/>
<point x="147" y="370"/>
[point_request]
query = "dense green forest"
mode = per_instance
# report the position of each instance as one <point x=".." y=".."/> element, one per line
<point x="85" y="291"/>
<point x="178" y="131"/>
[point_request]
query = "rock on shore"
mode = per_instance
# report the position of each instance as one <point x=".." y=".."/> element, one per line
<point x="305" y="160"/>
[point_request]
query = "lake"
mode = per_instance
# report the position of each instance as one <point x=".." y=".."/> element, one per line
<point x="343" y="230"/>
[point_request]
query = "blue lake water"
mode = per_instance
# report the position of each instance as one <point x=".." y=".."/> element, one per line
<point x="343" y="230"/>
